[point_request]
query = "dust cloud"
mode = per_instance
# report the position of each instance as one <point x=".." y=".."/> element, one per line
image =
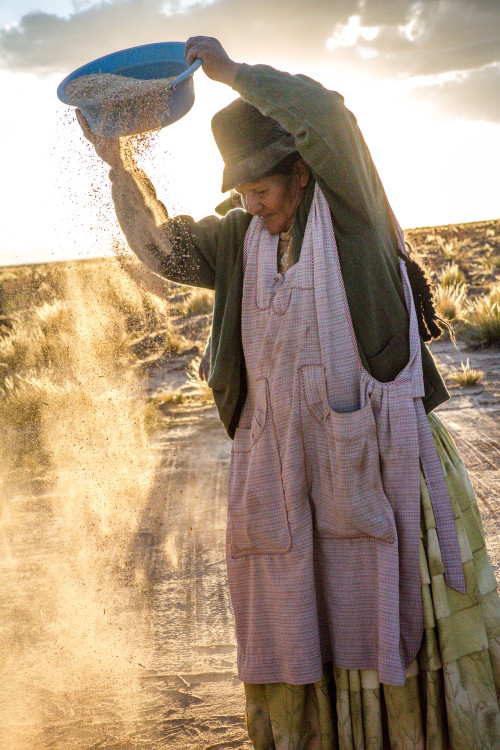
<point x="76" y="470"/>
<point x="69" y="620"/>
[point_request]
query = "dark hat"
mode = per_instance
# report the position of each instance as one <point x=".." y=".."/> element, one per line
<point x="249" y="142"/>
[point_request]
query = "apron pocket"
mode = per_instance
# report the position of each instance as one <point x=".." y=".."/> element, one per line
<point x="343" y="466"/>
<point x="257" y="515"/>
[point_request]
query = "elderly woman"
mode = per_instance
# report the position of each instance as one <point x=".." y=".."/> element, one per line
<point x="366" y="611"/>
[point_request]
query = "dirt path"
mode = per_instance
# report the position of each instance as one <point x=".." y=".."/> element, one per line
<point x="186" y="692"/>
<point x="473" y="418"/>
<point x="183" y="682"/>
<point x="197" y="692"/>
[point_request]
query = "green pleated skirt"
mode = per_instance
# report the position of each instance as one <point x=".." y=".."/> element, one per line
<point x="450" y="700"/>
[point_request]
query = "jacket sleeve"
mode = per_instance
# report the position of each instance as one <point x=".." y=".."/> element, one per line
<point x="326" y="135"/>
<point x="179" y="248"/>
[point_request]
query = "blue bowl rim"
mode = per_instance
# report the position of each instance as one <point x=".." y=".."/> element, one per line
<point x="157" y="47"/>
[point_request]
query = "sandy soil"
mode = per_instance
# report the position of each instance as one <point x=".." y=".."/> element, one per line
<point x="187" y="694"/>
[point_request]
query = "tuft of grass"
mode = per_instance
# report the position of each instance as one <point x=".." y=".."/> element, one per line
<point x="175" y="344"/>
<point x="447" y="248"/>
<point x="492" y="262"/>
<point x="23" y="397"/>
<point x="483" y="319"/>
<point x="451" y="276"/>
<point x="24" y="402"/>
<point x="453" y="251"/>
<point x="199" y="302"/>
<point x="466" y="376"/>
<point x="450" y="301"/>
<point x="167" y="399"/>
<point x="40" y="337"/>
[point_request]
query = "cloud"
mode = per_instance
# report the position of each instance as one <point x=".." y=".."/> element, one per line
<point x="472" y="95"/>
<point x="42" y="42"/>
<point x="455" y="44"/>
<point x="451" y="35"/>
<point x="389" y="38"/>
<point x="431" y="36"/>
<point x="407" y="38"/>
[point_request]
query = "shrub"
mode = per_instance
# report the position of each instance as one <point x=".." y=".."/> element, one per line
<point x="492" y="262"/>
<point x="483" y="319"/>
<point x="199" y="302"/>
<point x="450" y="301"/>
<point x="466" y="375"/>
<point x="447" y="248"/>
<point x="451" y="276"/>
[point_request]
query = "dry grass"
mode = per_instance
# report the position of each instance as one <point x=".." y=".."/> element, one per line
<point x="167" y="399"/>
<point x="452" y="250"/>
<point x="447" y="248"/>
<point x="491" y="262"/>
<point x="483" y="319"/>
<point x="75" y="334"/>
<point x="466" y="245"/>
<point x="72" y="421"/>
<point x="30" y="286"/>
<point x="71" y="352"/>
<point x="199" y="302"/>
<point x="464" y="260"/>
<point x="466" y="375"/>
<point x="450" y="301"/>
<point x="451" y="276"/>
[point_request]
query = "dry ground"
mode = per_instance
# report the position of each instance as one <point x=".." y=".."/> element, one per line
<point x="143" y="656"/>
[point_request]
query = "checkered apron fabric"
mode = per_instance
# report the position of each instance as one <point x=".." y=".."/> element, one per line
<point x="323" y="493"/>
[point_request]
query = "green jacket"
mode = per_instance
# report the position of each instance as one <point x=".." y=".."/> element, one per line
<point x="208" y="253"/>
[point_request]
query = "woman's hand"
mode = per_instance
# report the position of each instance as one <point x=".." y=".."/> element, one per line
<point x="114" y="151"/>
<point x="216" y="63"/>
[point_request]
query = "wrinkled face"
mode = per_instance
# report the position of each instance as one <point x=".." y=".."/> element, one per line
<point x="275" y="198"/>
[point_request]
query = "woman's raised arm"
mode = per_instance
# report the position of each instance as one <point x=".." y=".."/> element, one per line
<point x="163" y="244"/>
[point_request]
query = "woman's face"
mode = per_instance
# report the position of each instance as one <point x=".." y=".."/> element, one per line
<point x="275" y="198"/>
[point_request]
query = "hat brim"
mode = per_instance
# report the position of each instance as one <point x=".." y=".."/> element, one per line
<point x="225" y="206"/>
<point x="252" y="167"/>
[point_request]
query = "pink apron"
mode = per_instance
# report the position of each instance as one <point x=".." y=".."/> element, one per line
<point x="324" y="485"/>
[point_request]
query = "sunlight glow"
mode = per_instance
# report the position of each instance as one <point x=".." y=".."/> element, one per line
<point x="350" y="34"/>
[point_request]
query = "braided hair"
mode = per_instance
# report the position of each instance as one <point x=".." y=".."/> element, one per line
<point x="430" y="325"/>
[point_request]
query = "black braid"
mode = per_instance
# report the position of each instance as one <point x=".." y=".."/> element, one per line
<point x="430" y="325"/>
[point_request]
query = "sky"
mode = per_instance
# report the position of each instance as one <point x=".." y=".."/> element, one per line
<point x="422" y="78"/>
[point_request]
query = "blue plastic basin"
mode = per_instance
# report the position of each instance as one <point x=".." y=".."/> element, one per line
<point x="160" y="60"/>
